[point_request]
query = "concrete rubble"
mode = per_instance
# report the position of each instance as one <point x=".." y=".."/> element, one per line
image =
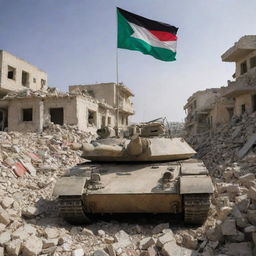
<point x="230" y="156"/>
<point x="30" y="225"/>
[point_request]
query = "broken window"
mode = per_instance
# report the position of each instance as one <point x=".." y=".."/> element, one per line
<point x="109" y="120"/>
<point x="34" y="80"/>
<point x="27" y="114"/>
<point x="122" y="120"/>
<point x="91" y="117"/>
<point x="242" y="108"/>
<point x="103" y="121"/>
<point x="11" y="73"/>
<point x="25" y="78"/>
<point x="253" y="62"/>
<point x="57" y="115"/>
<point x="230" y="112"/>
<point x="43" y="83"/>
<point x="243" y="67"/>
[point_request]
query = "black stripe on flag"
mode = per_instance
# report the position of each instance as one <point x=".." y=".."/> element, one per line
<point x="147" y="23"/>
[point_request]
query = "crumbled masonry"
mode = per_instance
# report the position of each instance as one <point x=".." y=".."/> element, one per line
<point x="30" y="225"/>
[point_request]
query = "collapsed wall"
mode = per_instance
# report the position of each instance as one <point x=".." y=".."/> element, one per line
<point x="230" y="156"/>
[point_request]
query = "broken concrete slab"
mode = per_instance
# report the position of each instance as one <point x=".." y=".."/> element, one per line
<point x="247" y="146"/>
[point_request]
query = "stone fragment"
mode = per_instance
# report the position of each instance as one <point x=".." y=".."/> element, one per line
<point x="250" y="229"/>
<point x="13" y="247"/>
<point x="51" y="233"/>
<point x="243" y="151"/>
<point x="240" y="249"/>
<point x="5" y="237"/>
<point x="246" y="178"/>
<point x="31" y="169"/>
<point x="214" y="233"/>
<point x="167" y="237"/>
<point x="111" y="250"/>
<point x="152" y="251"/>
<point x="50" y="242"/>
<point x="251" y="215"/>
<point x="87" y="232"/>
<point x="100" y="253"/>
<point x="242" y="202"/>
<point x="159" y="228"/>
<point x="123" y="239"/>
<point x="172" y="249"/>
<point x="145" y="243"/>
<point x="49" y="250"/>
<point x="213" y="244"/>
<point x="189" y="241"/>
<point x="252" y="193"/>
<point x="242" y="222"/>
<point x="7" y="202"/>
<point x="78" y="252"/>
<point x="32" y="247"/>
<point x="239" y="237"/>
<point x="101" y="233"/>
<point x="4" y="217"/>
<point x="224" y="212"/>
<point x="30" y="212"/>
<point x="229" y="227"/>
<point x="2" y="227"/>
<point x="109" y="240"/>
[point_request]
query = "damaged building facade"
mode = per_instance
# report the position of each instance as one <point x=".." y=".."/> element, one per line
<point x="109" y="95"/>
<point x="206" y="110"/>
<point x="27" y="104"/>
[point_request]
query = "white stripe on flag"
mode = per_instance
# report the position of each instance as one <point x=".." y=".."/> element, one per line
<point x="145" y="35"/>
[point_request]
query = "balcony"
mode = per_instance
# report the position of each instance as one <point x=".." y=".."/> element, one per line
<point x="128" y="108"/>
<point x="244" y="84"/>
<point x="240" y="49"/>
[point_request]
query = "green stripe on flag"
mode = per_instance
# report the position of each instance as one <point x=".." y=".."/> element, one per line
<point x="125" y="41"/>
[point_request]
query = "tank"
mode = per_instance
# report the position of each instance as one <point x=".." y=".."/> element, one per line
<point x="153" y="174"/>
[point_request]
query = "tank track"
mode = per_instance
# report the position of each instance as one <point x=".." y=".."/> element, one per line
<point x="196" y="208"/>
<point x="71" y="209"/>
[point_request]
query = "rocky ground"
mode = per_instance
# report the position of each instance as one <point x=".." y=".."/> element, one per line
<point x="31" y="163"/>
<point x="230" y="156"/>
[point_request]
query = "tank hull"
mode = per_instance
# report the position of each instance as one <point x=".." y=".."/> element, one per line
<point x="168" y="187"/>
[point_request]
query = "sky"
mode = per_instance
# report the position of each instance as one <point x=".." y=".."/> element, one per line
<point x="74" y="41"/>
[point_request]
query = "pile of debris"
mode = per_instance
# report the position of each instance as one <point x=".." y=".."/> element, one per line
<point x="230" y="156"/>
<point x="29" y="223"/>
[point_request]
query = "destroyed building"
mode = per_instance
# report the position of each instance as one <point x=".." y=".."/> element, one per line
<point x="197" y="108"/>
<point x="27" y="104"/>
<point x="243" y="88"/>
<point x="17" y="74"/>
<point x="109" y="95"/>
<point x="206" y="110"/>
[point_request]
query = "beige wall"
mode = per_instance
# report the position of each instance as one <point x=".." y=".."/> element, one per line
<point x="35" y="74"/>
<point x="68" y="105"/>
<point x="219" y="115"/>
<point x="247" y="59"/>
<point x="15" y="116"/>
<point x="101" y="92"/>
<point x="243" y="99"/>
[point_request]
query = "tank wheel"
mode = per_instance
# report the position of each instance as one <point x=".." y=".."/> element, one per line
<point x="72" y="210"/>
<point x="196" y="208"/>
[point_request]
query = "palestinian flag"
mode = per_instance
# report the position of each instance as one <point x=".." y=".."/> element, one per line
<point x="147" y="36"/>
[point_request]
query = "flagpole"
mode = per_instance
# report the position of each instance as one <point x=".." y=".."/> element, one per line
<point x="117" y="82"/>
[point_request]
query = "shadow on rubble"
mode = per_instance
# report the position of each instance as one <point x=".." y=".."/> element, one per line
<point x="48" y="215"/>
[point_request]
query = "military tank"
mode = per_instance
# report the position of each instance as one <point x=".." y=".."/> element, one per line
<point x="152" y="174"/>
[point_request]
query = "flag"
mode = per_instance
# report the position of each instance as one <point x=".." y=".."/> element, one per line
<point x="147" y="36"/>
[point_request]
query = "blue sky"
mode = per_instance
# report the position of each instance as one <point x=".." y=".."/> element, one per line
<point x="74" y="41"/>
